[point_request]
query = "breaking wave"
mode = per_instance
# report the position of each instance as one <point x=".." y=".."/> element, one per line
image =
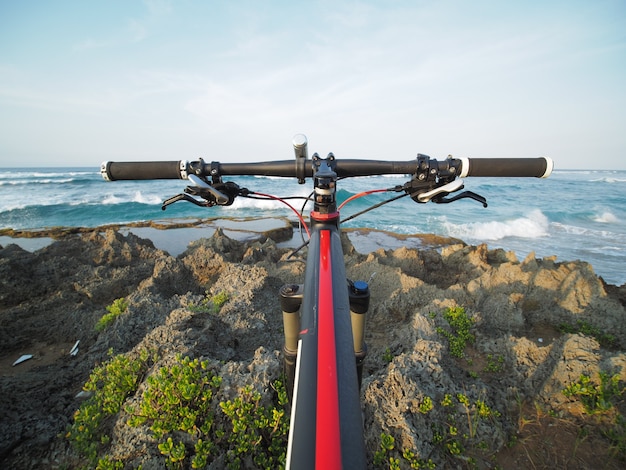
<point x="534" y="225"/>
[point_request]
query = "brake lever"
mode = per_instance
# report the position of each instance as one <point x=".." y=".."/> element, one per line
<point x="441" y="190"/>
<point x="184" y="197"/>
<point x="220" y="198"/>
<point x="464" y="194"/>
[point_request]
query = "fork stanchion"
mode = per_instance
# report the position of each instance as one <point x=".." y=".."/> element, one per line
<point x="359" y="294"/>
<point x="290" y="301"/>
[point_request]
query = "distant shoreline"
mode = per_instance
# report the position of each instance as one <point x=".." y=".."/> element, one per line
<point x="174" y="235"/>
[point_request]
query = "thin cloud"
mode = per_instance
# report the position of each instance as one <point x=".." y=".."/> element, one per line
<point x="90" y="44"/>
<point x="60" y="101"/>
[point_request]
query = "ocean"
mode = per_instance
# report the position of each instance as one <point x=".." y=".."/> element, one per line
<point x="575" y="215"/>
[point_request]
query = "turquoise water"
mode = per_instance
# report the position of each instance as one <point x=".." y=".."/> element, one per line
<point x="572" y="214"/>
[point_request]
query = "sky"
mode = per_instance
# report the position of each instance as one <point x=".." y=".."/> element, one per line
<point x="83" y="82"/>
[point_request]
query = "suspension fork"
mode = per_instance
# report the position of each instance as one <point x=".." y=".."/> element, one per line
<point x="290" y="302"/>
<point x="291" y="296"/>
<point x="324" y="215"/>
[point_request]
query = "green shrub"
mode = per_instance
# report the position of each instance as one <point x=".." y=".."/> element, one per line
<point x="426" y="405"/>
<point x="177" y="398"/>
<point x="106" y="463"/>
<point x="603" y="400"/>
<point x="388" y="355"/>
<point x="118" y="307"/>
<point x="180" y="399"/>
<point x="494" y="364"/>
<point x="109" y="384"/>
<point x="211" y="303"/>
<point x="180" y="407"/>
<point x="455" y="432"/>
<point x="606" y="340"/>
<point x="460" y="324"/>
<point x="387" y="444"/>
<point x="596" y="398"/>
<point x="257" y="431"/>
<point x="384" y="456"/>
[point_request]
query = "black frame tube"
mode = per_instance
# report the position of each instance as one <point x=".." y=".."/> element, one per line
<point x="301" y="454"/>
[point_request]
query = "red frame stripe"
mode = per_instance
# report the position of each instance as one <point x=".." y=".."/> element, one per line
<point x="327" y="435"/>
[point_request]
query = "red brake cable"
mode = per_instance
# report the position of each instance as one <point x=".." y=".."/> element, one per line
<point x="358" y="195"/>
<point x="276" y="198"/>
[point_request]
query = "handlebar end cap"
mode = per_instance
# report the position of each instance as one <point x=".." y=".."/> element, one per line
<point x="549" y="167"/>
<point x="104" y="171"/>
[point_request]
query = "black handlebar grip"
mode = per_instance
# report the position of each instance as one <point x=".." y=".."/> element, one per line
<point x="510" y="167"/>
<point x="170" y="170"/>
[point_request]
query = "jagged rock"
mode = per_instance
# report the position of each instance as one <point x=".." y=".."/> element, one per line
<point x="53" y="297"/>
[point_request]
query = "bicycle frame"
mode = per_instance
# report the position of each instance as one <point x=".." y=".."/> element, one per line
<point x="321" y="348"/>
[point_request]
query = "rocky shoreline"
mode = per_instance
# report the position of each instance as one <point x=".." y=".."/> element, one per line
<point x="528" y="317"/>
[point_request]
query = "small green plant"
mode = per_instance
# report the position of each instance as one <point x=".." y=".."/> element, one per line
<point x="118" y="307"/>
<point x="426" y="406"/>
<point x="109" y="384"/>
<point x="475" y="412"/>
<point x="454" y="422"/>
<point x="616" y="434"/>
<point x="460" y="324"/>
<point x="494" y="364"/>
<point x="257" y="431"/>
<point x="446" y="401"/>
<point x="454" y="447"/>
<point x="384" y="456"/>
<point x="177" y="398"/>
<point x="180" y="399"/>
<point x="415" y="462"/>
<point x="454" y="436"/>
<point x="106" y="463"/>
<point x="210" y="303"/>
<point x="606" y="340"/>
<point x="596" y="398"/>
<point x="387" y="355"/>
<point x="604" y="400"/>
<point x="179" y="405"/>
<point x="387" y="444"/>
<point x="175" y="453"/>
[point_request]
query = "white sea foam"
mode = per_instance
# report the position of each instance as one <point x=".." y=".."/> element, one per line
<point x="112" y="199"/>
<point x="605" y="218"/>
<point x="609" y="179"/>
<point x="260" y="204"/>
<point x="137" y="196"/>
<point x="9" y="205"/>
<point x="15" y="182"/>
<point x="534" y="225"/>
<point x="146" y="198"/>
<point x="264" y="204"/>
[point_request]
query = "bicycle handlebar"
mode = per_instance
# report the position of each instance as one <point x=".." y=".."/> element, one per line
<point x="479" y="167"/>
<point x="511" y="167"/>
<point x="114" y="171"/>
